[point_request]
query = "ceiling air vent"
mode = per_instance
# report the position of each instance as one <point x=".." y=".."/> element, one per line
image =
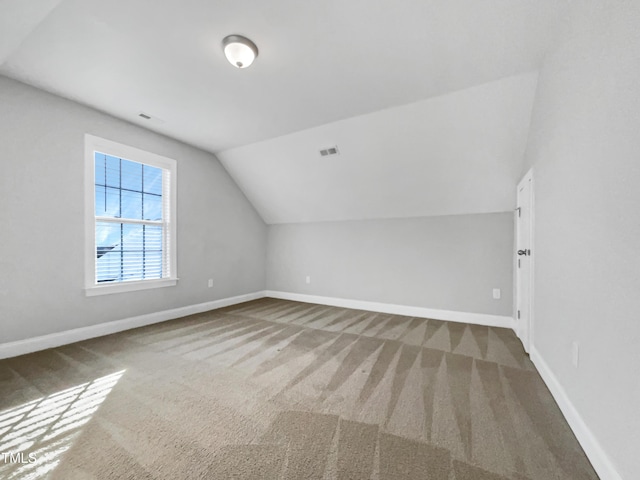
<point x="150" y="119"/>
<point x="325" y="152"/>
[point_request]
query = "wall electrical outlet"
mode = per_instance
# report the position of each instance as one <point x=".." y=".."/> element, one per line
<point x="575" y="354"/>
<point x="308" y="279"/>
<point x="496" y="294"/>
<point x="210" y="283"/>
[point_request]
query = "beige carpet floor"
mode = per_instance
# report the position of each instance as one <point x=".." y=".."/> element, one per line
<point x="273" y="389"/>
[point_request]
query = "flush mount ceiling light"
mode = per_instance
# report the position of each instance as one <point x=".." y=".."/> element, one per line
<point x="239" y="50"/>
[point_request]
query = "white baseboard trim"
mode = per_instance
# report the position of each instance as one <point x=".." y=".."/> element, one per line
<point x="29" y="345"/>
<point x="453" y="316"/>
<point x="592" y="448"/>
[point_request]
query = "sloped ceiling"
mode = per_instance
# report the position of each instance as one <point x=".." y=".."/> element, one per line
<point x="18" y="19"/>
<point x="320" y="63"/>
<point x="453" y="154"/>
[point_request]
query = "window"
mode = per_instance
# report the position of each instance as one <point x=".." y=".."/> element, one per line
<point x="130" y="218"/>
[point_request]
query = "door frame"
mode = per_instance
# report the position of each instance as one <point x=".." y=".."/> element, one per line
<point x="528" y="177"/>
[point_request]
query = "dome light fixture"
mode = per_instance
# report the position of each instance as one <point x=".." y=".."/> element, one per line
<point x="239" y="50"/>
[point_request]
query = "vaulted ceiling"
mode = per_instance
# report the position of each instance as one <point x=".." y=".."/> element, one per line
<point x="413" y="92"/>
<point x="453" y="154"/>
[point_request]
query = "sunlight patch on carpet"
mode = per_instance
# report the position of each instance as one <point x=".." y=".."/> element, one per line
<point x="47" y="427"/>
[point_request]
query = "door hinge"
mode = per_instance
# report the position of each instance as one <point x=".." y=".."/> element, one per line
<point x="518" y="263"/>
<point x="518" y="210"/>
<point x="518" y="314"/>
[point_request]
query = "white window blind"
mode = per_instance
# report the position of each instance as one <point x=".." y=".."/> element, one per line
<point x="133" y="228"/>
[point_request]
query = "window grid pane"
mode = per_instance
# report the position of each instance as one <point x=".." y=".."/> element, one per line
<point x="128" y="252"/>
<point x="133" y="191"/>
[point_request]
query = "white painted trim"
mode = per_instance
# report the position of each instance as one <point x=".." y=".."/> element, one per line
<point x="449" y="315"/>
<point x="514" y="287"/>
<point x="93" y="144"/>
<point x="526" y="337"/>
<point x="29" y="345"/>
<point x="532" y="270"/>
<point x="592" y="448"/>
<point x="120" y="287"/>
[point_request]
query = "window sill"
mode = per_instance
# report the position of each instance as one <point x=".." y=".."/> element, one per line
<point x="129" y="286"/>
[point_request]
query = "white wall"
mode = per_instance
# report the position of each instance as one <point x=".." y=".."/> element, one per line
<point x="220" y="235"/>
<point x="584" y="146"/>
<point x="445" y="263"/>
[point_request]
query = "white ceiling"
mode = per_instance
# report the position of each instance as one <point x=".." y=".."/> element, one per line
<point x="453" y="154"/>
<point x="320" y="61"/>
<point x="334" y="71"/>
<point x="17" y="19"/>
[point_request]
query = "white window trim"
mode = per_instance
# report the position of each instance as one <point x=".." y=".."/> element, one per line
<point x="94" y="144"/>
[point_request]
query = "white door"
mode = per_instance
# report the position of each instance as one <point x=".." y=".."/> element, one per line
<point x="524" y="263"/>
